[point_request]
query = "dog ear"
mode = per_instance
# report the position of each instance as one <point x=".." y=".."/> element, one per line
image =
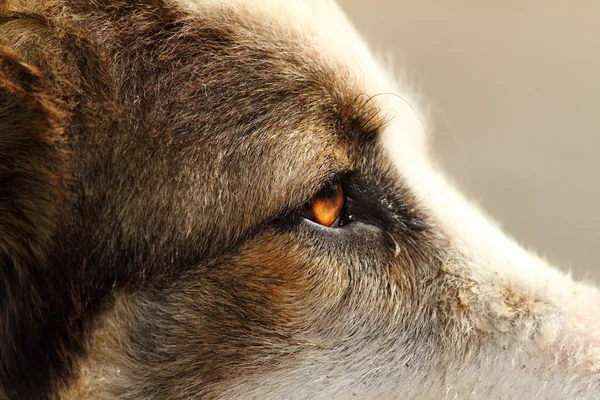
<point x="33" y="186"/>
<point x="32" y="158"/>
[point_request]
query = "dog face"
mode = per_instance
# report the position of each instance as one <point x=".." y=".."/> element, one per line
<point x="217" y="199"/>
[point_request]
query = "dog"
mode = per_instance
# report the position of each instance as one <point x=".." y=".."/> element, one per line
<point x="207" y="199"/>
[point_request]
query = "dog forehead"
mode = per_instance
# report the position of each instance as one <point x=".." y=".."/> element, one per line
<point x="322" y="28"/>
<point x="317" y="18"/>
<point x="320" y="25"/>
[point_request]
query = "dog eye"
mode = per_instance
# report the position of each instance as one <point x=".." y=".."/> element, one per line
<point x="326" y="207"/>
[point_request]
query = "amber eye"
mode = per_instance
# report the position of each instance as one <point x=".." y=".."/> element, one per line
<point x="325" y="208"/>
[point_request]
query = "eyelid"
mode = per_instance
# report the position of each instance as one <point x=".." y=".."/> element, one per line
<point x="331" y="181"/>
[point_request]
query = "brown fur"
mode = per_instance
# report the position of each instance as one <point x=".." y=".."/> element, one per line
<point x="164" y="254"/>
<point x="33" y="196"/>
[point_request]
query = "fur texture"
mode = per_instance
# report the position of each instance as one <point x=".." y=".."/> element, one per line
<point x="153" y="157"/>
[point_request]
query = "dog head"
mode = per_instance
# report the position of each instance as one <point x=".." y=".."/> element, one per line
<point x="213" y="199"/>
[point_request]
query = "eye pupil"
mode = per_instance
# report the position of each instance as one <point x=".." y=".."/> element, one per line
<point x="327" y="209"/>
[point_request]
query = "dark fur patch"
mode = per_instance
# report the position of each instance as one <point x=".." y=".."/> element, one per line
<point x="189" y="136"/>
<point x="33" y="196"/>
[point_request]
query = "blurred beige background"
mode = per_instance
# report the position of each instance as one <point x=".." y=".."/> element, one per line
<point x="515" y="93"/>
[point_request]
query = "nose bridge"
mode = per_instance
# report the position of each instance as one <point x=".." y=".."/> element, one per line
<point x="529" y="316"/>
<point x="532" y="311"/>
<point x="493" y="255"/>
<point x="513" y="283"/>
<point x="525" y="311"/>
